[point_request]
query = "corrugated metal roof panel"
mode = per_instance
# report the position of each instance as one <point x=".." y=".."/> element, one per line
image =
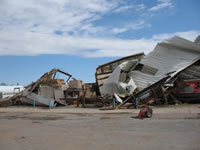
<point x="168" y="57"/>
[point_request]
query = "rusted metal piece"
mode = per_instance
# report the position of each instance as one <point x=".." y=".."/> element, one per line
<point x="37" y="82"/>
<point x="67" y="74"/>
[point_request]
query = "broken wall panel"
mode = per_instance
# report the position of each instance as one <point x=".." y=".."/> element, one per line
<point x="31" y="98"/>
<point x="103" y="72"/>
<point x="46" y="91"/>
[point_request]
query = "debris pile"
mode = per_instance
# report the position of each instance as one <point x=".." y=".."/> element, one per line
<point x="51" y="91"/>
<point x="156" y="75"/>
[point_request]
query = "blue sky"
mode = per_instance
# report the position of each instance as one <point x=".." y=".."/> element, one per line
<point x="77" y="36"/>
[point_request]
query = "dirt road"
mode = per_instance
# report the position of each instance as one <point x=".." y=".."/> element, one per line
<point x="171" y="128"/>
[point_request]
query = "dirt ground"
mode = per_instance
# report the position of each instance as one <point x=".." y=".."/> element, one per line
<point x="170" y="128"/>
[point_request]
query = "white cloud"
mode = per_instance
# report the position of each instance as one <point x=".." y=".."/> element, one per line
<point x="140" y="7"/>
<point x="30" y="43"/>
<point x="137" y="7"/>
<point x="131" y="26"/>
<point x="189" y="35"/>
<point x="27" y="27"/>
<point x="46" y="16"/>
<point x="122" y="8"/>
<point x="161" y="4"/>
<point x="119" y="30"/>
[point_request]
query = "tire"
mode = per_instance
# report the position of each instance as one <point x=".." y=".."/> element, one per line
<point x="149" y="113"/>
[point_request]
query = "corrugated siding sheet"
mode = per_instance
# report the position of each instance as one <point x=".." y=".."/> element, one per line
<point x="143" y="80"/>
<point x="166" y="58"/>
<point x="192" y="72"/>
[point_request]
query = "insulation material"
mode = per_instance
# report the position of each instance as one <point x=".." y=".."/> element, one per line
<point x="104" y="71"/>
<point x="113" y="83"/>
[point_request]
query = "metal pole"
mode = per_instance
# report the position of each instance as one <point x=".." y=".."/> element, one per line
<point x="136" y="102"/>
<point x="33" y="104"/>
<point x="49" y="104"/>
<point x="114" y="103"/>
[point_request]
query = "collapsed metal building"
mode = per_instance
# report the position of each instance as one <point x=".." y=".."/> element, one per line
<point x="155" y="75"/>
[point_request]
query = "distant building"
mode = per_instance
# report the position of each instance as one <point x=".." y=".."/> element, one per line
<point x="8" y="91"/>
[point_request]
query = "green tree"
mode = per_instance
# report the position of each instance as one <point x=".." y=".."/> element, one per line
<point x="3" y="84"/>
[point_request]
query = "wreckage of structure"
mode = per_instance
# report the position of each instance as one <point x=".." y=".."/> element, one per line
<point x="170" y="72"/>
<point x="47" y="90"/>
<point x="157" y="75"/>
<point x="51" y="91"/>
